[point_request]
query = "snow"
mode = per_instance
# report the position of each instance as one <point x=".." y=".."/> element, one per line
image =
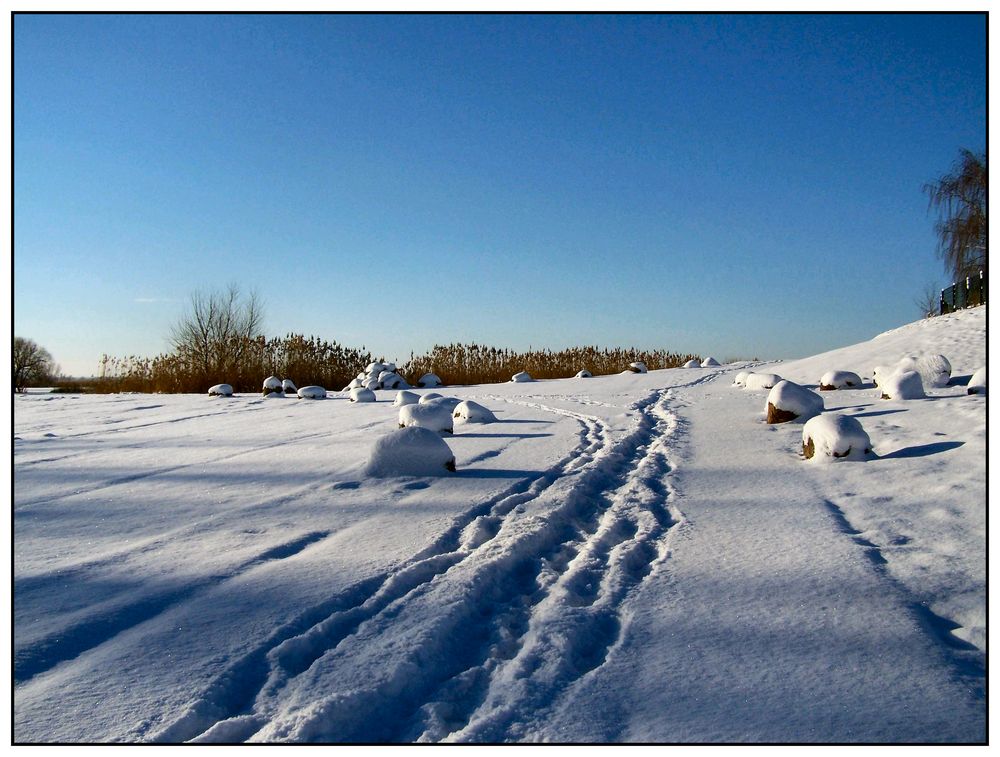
<point x="584" y="374"/>
<point x="692" y="364"/>
<point x="759" y="381"/>
<point x="449" y="402"/>
<point x="362" y="394"/>
<point x="709" y="362"/>
<point x="521" y="378"/>
<point x="220" y="390"/>
<point x="470" y="411"/>
<point x="935" y="370"/>
<point x="835" y="437"/>
<point x="429" y="397"/>
<point x="312" y="393"/>
<point x="977" y="384"/>
<point x="638" y="367"/>
<point x="272" y="384"/>
<point x="433" y="416"/>
<point x="839" y="380"/>
<point x="903" y="386"/>
<point x="405" y="397"/>
<point x="633" y="558"/>
<point x="429" y="380"/>
<point x="791" y="398"/>
<point x="288" y="386"/>
<point x="410" y="451"/>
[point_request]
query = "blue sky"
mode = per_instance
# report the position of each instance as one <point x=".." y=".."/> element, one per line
<point x="733" y="185"/>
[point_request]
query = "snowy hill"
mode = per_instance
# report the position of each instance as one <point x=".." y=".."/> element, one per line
<point x="637" y="557"/>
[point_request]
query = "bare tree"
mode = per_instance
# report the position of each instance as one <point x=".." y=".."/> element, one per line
<point x="32" y="364"/>
<point x="961" y="198"/>
<point x="929" y="301"/>
<point x="217" y="332"/>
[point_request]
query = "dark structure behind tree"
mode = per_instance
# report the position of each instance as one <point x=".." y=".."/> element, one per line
<point x="967" y="293"/>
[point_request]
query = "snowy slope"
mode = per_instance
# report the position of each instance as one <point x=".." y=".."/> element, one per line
<point x="625" y="558"/>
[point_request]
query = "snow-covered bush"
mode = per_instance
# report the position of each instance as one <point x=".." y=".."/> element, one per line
<point x="584" y="374"/>
<point x="355" y="383"/>
<point x="429" y="380"/>
<point x="788" y="401"/>
<point x="521" y="378"/>
<point x="473" y="412"/>
<point x="834" y="436"/>
<point x="361" y="394"/>
<point x="288" y="386"/>
<point x="272" y="385"/>
<point x="935" y="370"/>
<point x="449" y="402"/>
<point x="977" y="384"/>
<point x="220" y="390"/>
<point x="839" y="380"/>
<point x="406" y="397"/>
<point x="391" y="380"/>
<point x="374" y="369"/>
<point x="371" y="384"/>
<point x="903" y="386"/>
<point x="709" y="362"/>
<point x="430" y="396"/>
<point x="740" y="379"/>
<point x="692" y="364"/>
<point x="759" y="381"/>
<point x="412" y="451"/>
<point x="638" y="367"/>
<point x="431" y="416"/>
<point x="312" y="393"/>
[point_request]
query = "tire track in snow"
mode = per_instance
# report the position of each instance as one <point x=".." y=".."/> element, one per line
<point x="445" y="639"/>
<point x="222" y="711"/>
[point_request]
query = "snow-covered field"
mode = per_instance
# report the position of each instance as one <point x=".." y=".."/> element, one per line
<point x="635" y="558"/>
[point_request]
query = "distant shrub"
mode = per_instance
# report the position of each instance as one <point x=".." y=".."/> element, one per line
<point x="458" y="364"/>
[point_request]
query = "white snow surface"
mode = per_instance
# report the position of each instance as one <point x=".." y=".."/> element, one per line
<point x="634" y="558"/>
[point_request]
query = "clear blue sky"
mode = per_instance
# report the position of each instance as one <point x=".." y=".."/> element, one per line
<point x="733" y="185"/>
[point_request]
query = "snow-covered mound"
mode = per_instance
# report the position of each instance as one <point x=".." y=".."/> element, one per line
<point x="472" y="412"/>
<point x="692" y="364"/>
<point x="405" y="397"/>
<point x="430" y="397"/>
<point x="391" y="380"/>
<point x="934" y="370"/>
<point x="362" y="394"/>
<point x="449" y="402"/>
<point x="220" y="390"/>
<point x="272" y="384"/>
<point x="410" y="451"/>
<point x="788" y="401"/>
<point x="835" y="437"/>
<point x="903" y="386"/>
<point x="709" y="362"/>
<point x="584" y="374"/>
<point x="312" y="392"/>
<point x="288" y="386"/>
<point x="521" y="378"/>
<point x="832" y="380"/>
<point x="638" y="367"/>
<point x="759" y="381"/>
<point x="977" y="384"/>
<point x="740" y="379"/>
<point x="430" y="416"/>
<point x="429" y="380"/>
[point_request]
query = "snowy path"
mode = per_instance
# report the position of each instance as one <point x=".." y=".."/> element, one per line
<point x="779" y="625"/>
<point x="629" y="558"/>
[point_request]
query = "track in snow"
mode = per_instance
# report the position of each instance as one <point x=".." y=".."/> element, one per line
<point x="528" y="587"/>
